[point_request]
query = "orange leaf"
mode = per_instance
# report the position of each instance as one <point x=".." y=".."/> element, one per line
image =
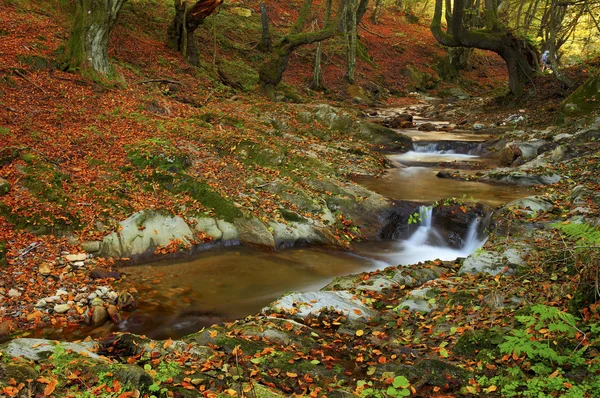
<point x="290" y="374"/>
<point x="167" y="344"/>
<point x="50" y="387"/>
<point x="10" y="391"/>
<point x="213" y="334"/>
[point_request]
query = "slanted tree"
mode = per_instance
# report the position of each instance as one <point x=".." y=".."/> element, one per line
<point x="90" y="32"/>
<point x="271" y="71"/>
<point x="180" y="33"/>
<point x="518" y="53"/>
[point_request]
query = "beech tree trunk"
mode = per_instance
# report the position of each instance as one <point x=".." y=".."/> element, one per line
<point x="271" y="71"/>
<point x="317" y="83"/>
<point x="265" y="40"/>
<point x="90" y="33"/>
<point x="519" y="56"/>
<point x="180" y="33"/>
<point x="351" y="40"/>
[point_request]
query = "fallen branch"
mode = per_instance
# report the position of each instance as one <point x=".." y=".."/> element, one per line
<point x="22" y="76"/>
<point x="160" y="81"/>
<point x="31" y="247"/>
<point x="373" y="33"/>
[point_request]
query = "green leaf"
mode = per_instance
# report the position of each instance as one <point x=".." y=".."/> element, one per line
<point x="400" y="382"/>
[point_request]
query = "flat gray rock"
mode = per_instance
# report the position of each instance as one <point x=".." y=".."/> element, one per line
<point x="312" y="303"/>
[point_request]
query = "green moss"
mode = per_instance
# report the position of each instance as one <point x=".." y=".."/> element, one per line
<point x="2" y="253"/>
<point x="471" y="342"/>
<point x="204" y="194"/>
<point x="583" y="101"/>
<point x="158" y="154"/>
<point x="238" y="74"/>
<point x="291" y="216"/>
<point x="249" y="347"/>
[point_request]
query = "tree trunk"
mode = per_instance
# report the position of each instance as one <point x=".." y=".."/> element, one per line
<point x="271" y="71"/>
<point x="517" y="53"/>
<point x="180" y="33"/>
<point x="376" y="11"/>
<point x="317" y="83"/>
<point x="88" y="43"/>
<point x="265" y="41"/>
<point x="351" y="41"/>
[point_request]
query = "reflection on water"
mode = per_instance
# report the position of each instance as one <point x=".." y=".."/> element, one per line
<point x="227" y="284"/>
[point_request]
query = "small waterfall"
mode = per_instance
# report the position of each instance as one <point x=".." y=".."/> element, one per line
<point x="427" y="243"/>
<point x="431" y="148"/>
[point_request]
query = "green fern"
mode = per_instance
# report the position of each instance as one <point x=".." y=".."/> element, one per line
<point x="584" y="232"/>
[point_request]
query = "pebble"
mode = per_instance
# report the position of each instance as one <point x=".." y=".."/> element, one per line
<point x="41" y="303"/>
<point x="61" y="308"/>
<point x="45" y="269"/>
<point x="78" y="264"/>
<point x="92" y="296"/>
<point x="99" y="316"/>
<point x="112" y="296"/>
<point x="97" y="302"/>
<point x="61" y="292"/>
<point x="14" y="293"/>
<point x="113" y="313"/>
<point x="75" y="257"/>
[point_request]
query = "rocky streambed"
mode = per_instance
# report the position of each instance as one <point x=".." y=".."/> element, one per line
<point x="414" y="321"/>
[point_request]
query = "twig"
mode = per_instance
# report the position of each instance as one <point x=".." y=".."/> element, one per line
<point x="8" y="108"/>
<point x="160" y="81"/>
<point x="29" y="249"/>
<point x="22" y="76"/>
<point x="362" y="25"/>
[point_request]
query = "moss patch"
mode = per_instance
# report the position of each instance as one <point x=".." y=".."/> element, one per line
<point x="583" y="101"/>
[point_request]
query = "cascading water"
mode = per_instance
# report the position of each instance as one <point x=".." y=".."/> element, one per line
<point x="427" y="243"/>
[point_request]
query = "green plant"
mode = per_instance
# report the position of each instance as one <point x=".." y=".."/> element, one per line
<point x="580" y="231"/>
<point x="400" y="388"/>
<point x="164" y="371"/>
<point x="543" y="355"/>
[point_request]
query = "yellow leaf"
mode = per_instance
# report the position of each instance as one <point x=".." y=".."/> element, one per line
<point x="291" y="374"/>
<point x="213" y="334"/>
<point x="490" y="389"/>
<point x="360" y="332"/>
<point x="167" y="344"/>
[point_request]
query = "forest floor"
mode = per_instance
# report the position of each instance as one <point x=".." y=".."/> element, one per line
<point x="68" y="151"/>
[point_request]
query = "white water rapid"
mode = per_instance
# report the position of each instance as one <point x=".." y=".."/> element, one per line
<point x="427" y="243"/>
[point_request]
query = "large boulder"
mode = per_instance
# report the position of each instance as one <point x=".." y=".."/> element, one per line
<point x="522" y="177"/>
<point x="583" y="101"/>
<point x="253" y="232"/>
<point x="299" y="234"/>
<point x="453" y="223"/>
<point x="303" y="305"/>
<point x="40" y="349"/>
<point x="495" y="262"/>
<point x="333" y="118"/>
<point x="141" y="233"/>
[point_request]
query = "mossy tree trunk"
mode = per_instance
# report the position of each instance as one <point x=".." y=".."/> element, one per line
<point x="271" y="71"/>
<point x="180" y="33"/>
<point x="90" y="33"/>
<point x="351" y="40"/>
<point x="317" y="83"/>
<point x="265" y="40"/>
<point x="519" y="55"/>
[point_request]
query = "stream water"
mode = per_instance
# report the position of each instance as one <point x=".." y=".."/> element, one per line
<point x="231" y="283"/>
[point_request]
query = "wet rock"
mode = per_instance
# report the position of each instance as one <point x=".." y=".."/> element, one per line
<point x="399" y="121"/>
<point x="427" y="127"/>
<point x="478" y="126"/>
<point x="98" y="273"/>
<point x="126" y="301"/>
<point x="494" y="263"/>
<point x="419" y="300"/>
<point x="99" y="316"/>
<point x="333" y="118"/>
<point x="209" y="226"/>
<point x="254" y="232"/>
<point x="522" y="177"/>
<point x="61" y="308"/>
<point x="91" y="246"/>
<point x="312" y="303"/>
<point x="383" y="137"/>
<point x="6" y="328"/>
<point x="4" y="186"/>
<point x="454" y="92"/>
<point x="453" y="223"/>
<point x="297" y="234"/>
<point x="44" y="269"/>
<point x="40" y="349"/>
<point x="142" y="232"/>
<point x="509" y="155"/>
<point x="389" y="278"/>
<point x="533" y="204"/>
<point x="75" y="257"/>
<point x="97" y="302"/>
<point x="113" y="313"/>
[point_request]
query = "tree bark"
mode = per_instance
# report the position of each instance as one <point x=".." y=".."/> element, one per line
<point x="317" y="83"/>
<point x="351" y="18"/>
<point x="90" y="33"/>
<point x="180" y="33"/>
<point x="517" y="53"/>
<point x="265" y="41"/>
<point x="271" y="71"/>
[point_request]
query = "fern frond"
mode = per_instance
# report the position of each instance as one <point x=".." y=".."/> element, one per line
<point x="584" y="232"/>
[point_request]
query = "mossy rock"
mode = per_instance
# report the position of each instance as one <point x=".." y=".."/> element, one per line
<point x="158" y="154"/>
<point x="238" y="74"/>
<point x="472" y="342"/>
<point x="20" y="374"/>
<point x="209" y="198"/>
<point x="583" y="101"/>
